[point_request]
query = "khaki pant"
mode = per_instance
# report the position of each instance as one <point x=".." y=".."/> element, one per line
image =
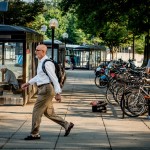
<point x="44" y="106"/>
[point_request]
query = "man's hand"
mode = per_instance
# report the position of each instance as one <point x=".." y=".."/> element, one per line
<point x="58" y="97"/>
<point x="24" y="86"/>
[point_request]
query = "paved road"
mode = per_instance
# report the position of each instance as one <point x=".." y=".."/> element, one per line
<point x="92" y="131"/>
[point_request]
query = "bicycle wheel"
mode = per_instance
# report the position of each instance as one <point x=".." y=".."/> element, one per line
<point x="136" y="103"/>
<point x="117" y="87"/>
<point x="119" y="94"/>
<point x="110" y="96"/>
<point x="124" y="104"/>
<point x="112" y="84"/>
<point x="101" y="81"/>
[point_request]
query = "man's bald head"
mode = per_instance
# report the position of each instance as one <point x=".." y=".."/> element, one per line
<point x="41" y="50"/>
<point x="42" y="47"/>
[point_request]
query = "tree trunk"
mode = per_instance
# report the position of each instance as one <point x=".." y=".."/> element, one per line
<point x="146" y="50"/>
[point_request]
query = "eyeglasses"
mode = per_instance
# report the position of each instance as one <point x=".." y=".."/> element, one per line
<point x="37" y="50"/>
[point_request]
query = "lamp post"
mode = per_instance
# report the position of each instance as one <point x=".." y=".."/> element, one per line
<point x="129" y="50"/>
<point x="53" y="24"/>
<point x="43" y="28"/>
<point x="133" y="48"/>
<point x="65" y="36"/>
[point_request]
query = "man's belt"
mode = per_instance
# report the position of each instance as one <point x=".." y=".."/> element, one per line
<point x="42" y="85"/>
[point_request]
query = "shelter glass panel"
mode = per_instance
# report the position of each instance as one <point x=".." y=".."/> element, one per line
<point x="49" y="53"/>
<point x="11" y="55"/>
<point x="81" y="59"/>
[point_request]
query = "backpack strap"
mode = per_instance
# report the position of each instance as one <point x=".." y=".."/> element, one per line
<point x="43" y="66"/>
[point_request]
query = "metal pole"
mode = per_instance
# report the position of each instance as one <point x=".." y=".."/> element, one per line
<point x="133" y="48"/>
<point x="53" y="30"/>
<point x="64" y="55"/>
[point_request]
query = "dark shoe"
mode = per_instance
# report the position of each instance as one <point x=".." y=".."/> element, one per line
<point x="31" y="137"/>
<point x="69" y="129"/>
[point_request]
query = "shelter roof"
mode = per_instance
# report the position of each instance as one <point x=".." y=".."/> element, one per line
<point x="10" y="28"/>
<point x="90" y="47"/>
<point x="50" y="42"/>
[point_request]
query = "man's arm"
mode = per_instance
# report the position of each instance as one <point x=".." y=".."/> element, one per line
<point x="50" y="68"/>
<point x="31" y="81"/>
<point x="54" y="79"/>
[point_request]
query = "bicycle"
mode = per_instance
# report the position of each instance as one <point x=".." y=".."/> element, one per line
<point x="133" y="103"/>
<point x="101" y="80"/>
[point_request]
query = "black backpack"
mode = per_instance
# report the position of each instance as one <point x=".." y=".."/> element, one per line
<point x="58" y="69"/>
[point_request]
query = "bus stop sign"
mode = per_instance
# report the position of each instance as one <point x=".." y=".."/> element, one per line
<point x="3" y="6"/>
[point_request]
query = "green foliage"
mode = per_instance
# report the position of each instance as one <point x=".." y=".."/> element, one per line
<point x="67" y="23"/>
<point x="138" y="15"/>
<point x="114" y="21"/>
<point x="114" y="34"/>
<point x="20" y="13"/>
<point x="139" y="44"/>
<point x="111" y="22"/>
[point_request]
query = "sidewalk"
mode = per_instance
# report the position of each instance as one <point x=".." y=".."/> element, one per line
<point x="92" y="131"/>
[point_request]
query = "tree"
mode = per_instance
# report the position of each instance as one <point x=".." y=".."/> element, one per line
<point x="67" y="23"/>
<point x="113" y="36"/>
<point x="20" y="13"/>
<point x="94" y="15"/>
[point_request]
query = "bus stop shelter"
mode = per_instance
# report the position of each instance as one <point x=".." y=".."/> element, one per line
<point x="86" y="56"/>
<point x="17" y="52"/>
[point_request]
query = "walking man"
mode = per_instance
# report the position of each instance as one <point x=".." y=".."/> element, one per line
<point x="46" y="92"/>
